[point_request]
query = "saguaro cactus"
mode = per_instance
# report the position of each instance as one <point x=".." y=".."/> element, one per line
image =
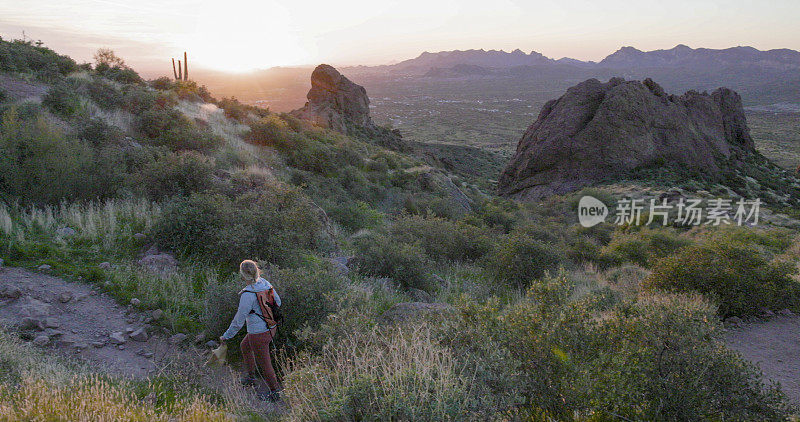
<point x="181" y="73"/>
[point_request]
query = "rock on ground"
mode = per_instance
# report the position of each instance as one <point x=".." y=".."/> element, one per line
<point x="83" y="324"/>
<point x="161" y="262"/>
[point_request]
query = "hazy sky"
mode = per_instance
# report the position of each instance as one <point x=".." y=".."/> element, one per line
<point x="247" y="34"/>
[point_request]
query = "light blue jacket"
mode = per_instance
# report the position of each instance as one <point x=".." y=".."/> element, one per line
<point x="247" y="303"/>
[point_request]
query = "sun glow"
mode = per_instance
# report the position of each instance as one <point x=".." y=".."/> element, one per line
<point x="228" y="40"/>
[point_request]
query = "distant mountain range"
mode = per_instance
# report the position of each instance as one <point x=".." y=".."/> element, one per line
<point x="680" y="56"/>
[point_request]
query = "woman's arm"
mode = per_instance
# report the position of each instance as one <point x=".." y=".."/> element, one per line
<point x="245" y="305"/>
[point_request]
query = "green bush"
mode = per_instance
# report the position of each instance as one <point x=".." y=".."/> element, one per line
<point x="277" y="225"/>
<point x="663" y="358"/>
<point x="97" y="131"/>
<point x="269" y="131"/>
<point x="27" y="57"/>
<point x="105" y="94"/>
<point x="180" y="173"/>
<point x="171" y="128"/>
<point x="163" y="83"/>
<point x="62" y="100"/>
<point x="519" y="259"/>
<point x="405" y="263"/>
<point x="354" y="216"/>
<point x="650" y="358"/>
<point x="737" y="277"/>
<point x="308" y="296"/>
<point x="443" y="239"/>
<point x="40" y="164"/>
<point x="642" y="247"/>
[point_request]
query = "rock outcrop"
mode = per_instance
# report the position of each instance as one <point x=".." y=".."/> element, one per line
<point x="598" y="131"/>
<point x="335" y="102"/>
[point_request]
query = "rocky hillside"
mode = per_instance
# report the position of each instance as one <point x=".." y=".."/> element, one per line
<point x="599" y="131"/>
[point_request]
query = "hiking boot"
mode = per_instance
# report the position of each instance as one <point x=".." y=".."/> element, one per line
<point x="272" y="396"/>
<point x="248" y="380"/>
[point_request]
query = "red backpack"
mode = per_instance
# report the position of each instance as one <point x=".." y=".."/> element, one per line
<point x="270" y="310"/>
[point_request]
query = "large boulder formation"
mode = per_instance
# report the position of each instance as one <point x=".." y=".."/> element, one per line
<point x="335" y="102"/>
<point x="597" y="131"/>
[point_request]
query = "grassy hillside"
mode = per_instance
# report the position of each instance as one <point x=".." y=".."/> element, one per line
<point x="535" y="317"/>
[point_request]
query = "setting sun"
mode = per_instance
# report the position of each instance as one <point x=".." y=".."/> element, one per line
<point x="225" y="39"/>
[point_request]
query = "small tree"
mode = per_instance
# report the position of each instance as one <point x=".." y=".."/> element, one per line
<point x="107" y="57"/>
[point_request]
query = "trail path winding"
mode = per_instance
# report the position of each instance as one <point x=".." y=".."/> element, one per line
<point x="78" y="321"/>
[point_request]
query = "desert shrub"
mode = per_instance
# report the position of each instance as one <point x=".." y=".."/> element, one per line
<point x="40" y="164"/>
<point x="433" y="205"/>
<point x="662" y="358"/>
<point x="391" y="375"/>
<point x="27" y="57"/>
<point x="583" y="249"/>
<point x="498" y="214"/>
<point x="137" y="100"/>
<point x="163" y="83"/>
<point x="443" y="239"/>
<point x="652" y="358"/>
<point x="277" y="225"/>
<point x="171" y="128"/>
<point x="240" y="112"/>
<point x="519" y="259"/>
<point x="405" y="263"/>
<point x="233" y="109"/>
<point x="122" y="74"/>
<point x="737" y="277"/>
<point x="62" y="100"/>
<point x="309" y="295"/>
<point x="189" y="90"/>
<point x="105" y="94"/>
<point x="97" y="132"/>
<point x="269" y="131"/>
<point x="354" y="216"/>
<point x="641" y="247"/>
<point x="219" y="304"/>
<point x="179" y="173"/>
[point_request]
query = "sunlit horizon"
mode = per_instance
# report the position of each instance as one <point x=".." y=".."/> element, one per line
<point x="246" y="35"/>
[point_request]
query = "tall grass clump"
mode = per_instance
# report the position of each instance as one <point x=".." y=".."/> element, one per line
<point x="109" y="224"/>
<point x="379" y="375"/>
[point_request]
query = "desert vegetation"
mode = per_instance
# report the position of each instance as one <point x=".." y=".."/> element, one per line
<point x="535" y="317"/>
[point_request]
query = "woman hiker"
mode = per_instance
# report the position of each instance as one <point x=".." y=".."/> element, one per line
<point x="255" y="345"/>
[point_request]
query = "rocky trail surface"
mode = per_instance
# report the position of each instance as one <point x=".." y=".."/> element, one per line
<point x="773" y="345"/>
<point x="76" y="320"/>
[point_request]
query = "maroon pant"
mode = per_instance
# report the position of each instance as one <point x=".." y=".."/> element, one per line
<point x="255" y="349"/>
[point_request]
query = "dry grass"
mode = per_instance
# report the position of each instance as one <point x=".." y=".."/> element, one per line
<point x="386" y="372"/>
<point x="228" y="129"/>
<point x="106" y="222"/>
<point x="34" y="386"/>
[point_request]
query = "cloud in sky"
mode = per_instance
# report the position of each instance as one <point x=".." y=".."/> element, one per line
<point x="246" y="34"/>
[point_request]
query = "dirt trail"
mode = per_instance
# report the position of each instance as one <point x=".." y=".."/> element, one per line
<point x="78" y="321"/>
<point x="774" y="346"/>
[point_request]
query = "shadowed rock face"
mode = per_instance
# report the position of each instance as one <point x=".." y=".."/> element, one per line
<point x="597" y="131"/>
<point x="335" y="102"/>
